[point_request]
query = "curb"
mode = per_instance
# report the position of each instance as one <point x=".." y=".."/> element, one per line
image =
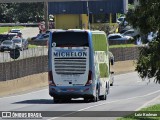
<point x="154" y="101"/>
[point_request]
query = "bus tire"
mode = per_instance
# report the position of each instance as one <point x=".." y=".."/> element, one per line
<point x="103" y="97"/>
<point x="108" y="88"/>
<point x="56" y="100"/>
<point x="1" y="50"/>
<point x="86" y="100"/>
<point x="95" y="98"/>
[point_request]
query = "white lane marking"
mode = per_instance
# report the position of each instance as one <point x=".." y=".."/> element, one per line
<point x="139" y="81"/>
<point x="147" y="103"/>
<point x="24" y="94"/>
<point x="106" y="103"/>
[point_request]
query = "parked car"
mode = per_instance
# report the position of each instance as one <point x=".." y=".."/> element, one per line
<point x="15" y="31"/>
<point x="41" y="37"/>
<point x="119" y="36"/>
<point x="20" y="43"/>
<point x="124" y="29"/>
<point x="8" y="36"/>
<point x="122" y="20"/>
<point x="7" y="45"/>
<point x="116" y="39"/>
<point x="25" y="43"/>
<point x="130" y="32"/>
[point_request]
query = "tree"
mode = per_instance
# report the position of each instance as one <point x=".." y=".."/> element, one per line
<point x="21" y="12"/>
<point x="30" y="12"/>
<point x="7" y="12"/>
<point x="146" y="17"/>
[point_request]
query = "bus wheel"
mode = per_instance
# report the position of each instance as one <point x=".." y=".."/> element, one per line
<point x="86" y="100"/>
<point x="66" y="100"/>
<point x="104" y="97"/>
<point x="56" y="100"/>
<point x="95" y="98"/>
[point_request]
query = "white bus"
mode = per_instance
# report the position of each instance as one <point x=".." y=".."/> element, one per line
<point x="79" y="65"/>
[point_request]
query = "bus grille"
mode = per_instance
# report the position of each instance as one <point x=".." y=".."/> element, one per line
<point x="70" y="66"/>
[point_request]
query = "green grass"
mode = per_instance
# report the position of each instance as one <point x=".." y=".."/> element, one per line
<point x="155" y="109"/>
<point x="6" y="29"/>
<point x="32" y="46"/>
<point x="122" y="46"/>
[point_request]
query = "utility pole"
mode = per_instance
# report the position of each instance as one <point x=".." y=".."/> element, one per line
<point x="46" y="14"/>
<point x="88" y="15"/>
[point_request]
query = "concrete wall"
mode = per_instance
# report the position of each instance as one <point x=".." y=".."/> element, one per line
<point x="122" y="54"/>
<point x="24" y="67"/>
<point x="22" y="84"/>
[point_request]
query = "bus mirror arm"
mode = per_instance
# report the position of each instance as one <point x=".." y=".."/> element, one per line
<point x="111" y="57"/>
<point x="112" y="61"/>
<point x="112" y="72"/>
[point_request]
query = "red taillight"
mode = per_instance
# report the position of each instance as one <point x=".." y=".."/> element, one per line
<point x="50" y="79"/>
<point x="89" y="81"/>
<point x="50" y="76"/>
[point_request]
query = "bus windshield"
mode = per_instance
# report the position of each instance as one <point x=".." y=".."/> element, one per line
<point x="71" y="39"/>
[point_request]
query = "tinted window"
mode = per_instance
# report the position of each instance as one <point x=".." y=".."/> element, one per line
<point x="120" y="19"/>
<point x="70" y="39"/>
<point x="5" y="37"/>
<point x="123" y="31"/>
<point x="114" y="37"/>
<point x="14" y="31"/>
<point x="17" y="40"/>
<point x="7" y="42"/>
<point x="129" y="32"/>
<point x="117" y="36"/>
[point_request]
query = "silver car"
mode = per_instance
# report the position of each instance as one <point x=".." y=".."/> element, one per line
<point x="20" y="43"/>
<point x="7" y="45"/>
<point x="118" y="36"/>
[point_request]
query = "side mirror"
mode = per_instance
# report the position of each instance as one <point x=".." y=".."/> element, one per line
<point x="111" y="57"/>
<point x="112" y="61"/>
<point x="112" y="72"/>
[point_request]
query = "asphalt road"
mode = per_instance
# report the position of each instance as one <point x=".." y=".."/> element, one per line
<point x="129" y="93"/>
<point x="29" y="32"/>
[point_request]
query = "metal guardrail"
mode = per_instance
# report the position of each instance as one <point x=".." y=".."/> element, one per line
<point x="24" y="1"/>
<point x="18" y="24"/>
<point x="32" y="52"/>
